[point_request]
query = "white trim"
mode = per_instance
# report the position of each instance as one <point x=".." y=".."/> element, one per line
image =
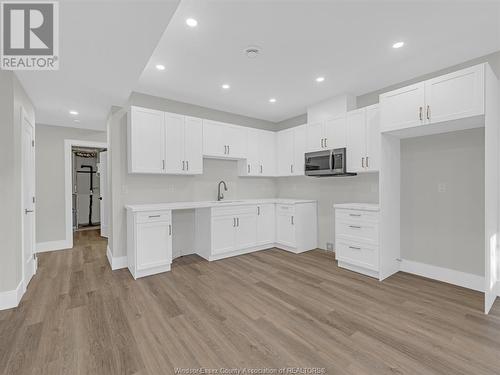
<point x="116" y="263"/>
<point x="42" y="247"/>
<point x="463" y="279"/>
<point x="68" y="144"/>
<point x="11" y="298"/>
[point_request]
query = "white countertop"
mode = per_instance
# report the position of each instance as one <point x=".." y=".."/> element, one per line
<point x="358" y="206"/>
<point x="207" y="204"/>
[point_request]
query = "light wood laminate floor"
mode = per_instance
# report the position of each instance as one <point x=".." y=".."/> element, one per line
<point x="269" y="309"/>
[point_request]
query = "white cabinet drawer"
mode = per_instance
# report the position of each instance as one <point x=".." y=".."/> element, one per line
<point x="363" y="230"/>
<point x="356" y="253"/>
<point x="356" y="216"/>
<point x="153" y="216"/>
<point x="234" y="210"/>
<point x="285" y="209"/>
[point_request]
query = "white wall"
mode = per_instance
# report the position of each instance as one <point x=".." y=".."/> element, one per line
<point x="133" y="188"/>
<point x="12" y="98"/>
<point x="51" y="206"/>
<point x="444" y="229"/>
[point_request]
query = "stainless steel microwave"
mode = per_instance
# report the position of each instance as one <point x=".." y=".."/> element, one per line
<point x="327" y="163"/>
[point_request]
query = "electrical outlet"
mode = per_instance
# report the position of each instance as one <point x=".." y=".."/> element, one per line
<point x="441" y="187"/>
<point x="329" y="246"/>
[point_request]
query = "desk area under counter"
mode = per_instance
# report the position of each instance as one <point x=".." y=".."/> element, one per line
<point x="221" y="229"/>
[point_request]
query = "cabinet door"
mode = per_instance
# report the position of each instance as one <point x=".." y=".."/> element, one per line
<point x="253" y="156"/>
<point x="154" y="244"/>
<point x="223" y="234"/>
<point x="266" y="224"/>
<point x="335" y="133"/>
<point x="285" y="230"/>
<point x="403" y="108"/>
<point x="356" y="141"/>
<point x="174" y="143"/>
<point x="455" y="95"/>
<point x="315" y="137"/>
<point x="267" y="152"/>
<point x="246" y="230"/>
<point x="214" y="142"/>
<point x="285" y="152"/>
<point x="299" y="149"/>
<point x="236" y="140"/>
<point x="146" y="141"/>
<point x="372" y="138"/>
<point x="193" y="145"/>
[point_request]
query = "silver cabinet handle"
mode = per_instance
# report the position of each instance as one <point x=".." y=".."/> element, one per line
<point x="367" y="166"/>
<point x="291" y="168"/>
<point x="183" y="164"/>
<point x="228" y="149"/>
<point x="225" y="149"/>
<point x="355" y="226"/>
<point x="163" y="164"/>
<point x="322" y="143"/>
<point x="357" y="215"/>
<point x="428" y="112"/>
<point x="152" y="216"/>
<point x="234" y="221"/>
<point x="187" y="164"/>
<point x="293" y="223"/>
<point x="326" y="142"/>
<point x="169" y="229"/>
<point x="26" y="211"/>
<point x="420" y="113"/>
<point x="362" y="162"/>
<point x="261" y="168"/>
<point x="354" y="248"/>
<point x="258" y="210"/>
<point x="248" y="168"/>
<point x="237" y="221"/>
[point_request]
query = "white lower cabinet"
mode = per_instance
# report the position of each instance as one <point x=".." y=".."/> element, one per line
<point x="266" y="224"/>
<point x="357" y="238"/>
<point x="149" y="243"/>
<point x="297" y="227"/>
<point x="285" y="228"/>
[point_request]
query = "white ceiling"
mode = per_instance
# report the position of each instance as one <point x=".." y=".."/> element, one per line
<point x="104" y="46"/>
<point x="348" y="42"/>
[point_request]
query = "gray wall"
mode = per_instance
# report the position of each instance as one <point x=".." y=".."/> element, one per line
<point x="131" y="188"/>
<point x="445" y="229"/>
<point x="51" y="204"/>
<point x="12" y="98"/>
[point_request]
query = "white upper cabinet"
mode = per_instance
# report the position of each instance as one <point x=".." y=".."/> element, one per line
<point x="449" y="97"/>
<point x="291" y="148"/>
<point x="224" y="141"/>
<point x="146" y="146"/>
<point x="455" y="95"/>
<point x="326" y="135"/>
<point x="261" y="154"/>
<point x="165" y="143"/>
<point x="402" y="108"/>
<point x="363" y="139"/>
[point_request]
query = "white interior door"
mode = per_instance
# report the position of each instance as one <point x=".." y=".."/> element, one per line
<point x="29" y="257"/>
<point x="103" y="189"/>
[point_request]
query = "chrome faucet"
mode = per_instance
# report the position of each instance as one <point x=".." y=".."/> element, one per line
<point x="220" y="195"/>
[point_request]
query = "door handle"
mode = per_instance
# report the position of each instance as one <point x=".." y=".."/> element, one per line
<point x="237" y="221"/>
<point x="261" y="168"/>
<point x="228" y="149"/>
<point x="355" y="226"/>
<point x="291" y="168"/>
<point x="420" y="113"/>
<point x="248" y="168"/>
<point x="428" y="112"/>
<point x="183" y="164"/>
<point x="187" y="164"/>
<point x="293" y="223"/>
<point x="234" y="221"/>
<point x="163" y="164"/>
<point x="367" y="166"/>
<point x="258" y="210"/>
<point x="26" y="211"/>
<point x="362" y="162"/>
<point x="322" y="143"/>
<point x="354" y="248"/>
<point x="326" y="142"/>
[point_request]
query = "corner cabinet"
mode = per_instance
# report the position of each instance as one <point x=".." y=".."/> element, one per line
<point x="363" y="139"/>
<point x="149" y="242"/>
<point x="164" y="143"/>
<point x="297" y="226"/>
<point x="261" y="154"/>
<point x="448" y="97"/>
<point x="224" y="141"/>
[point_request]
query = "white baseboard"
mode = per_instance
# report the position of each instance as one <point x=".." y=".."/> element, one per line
<point x="116" y="263"/>
<point x="11" y="298"/>
<point x="42" y="247"/>
<point x="463" y="279"/>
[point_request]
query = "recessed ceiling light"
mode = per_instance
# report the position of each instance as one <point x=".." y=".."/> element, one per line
<point x="272" y="100"/>
<point x="74" y="113"/>
<point x="398" y="44"/>
<point x="320" y="79"/>
<point x="160" y="67"/>
<point x="191" y="22"/>
<point x="226" y="86"/>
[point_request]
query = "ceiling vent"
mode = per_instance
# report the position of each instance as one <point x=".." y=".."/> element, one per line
<point x="252" y="52"/>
